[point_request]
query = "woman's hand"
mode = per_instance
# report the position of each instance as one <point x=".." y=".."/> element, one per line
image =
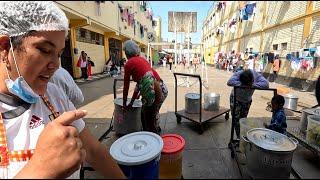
<point x="59" y="152"/>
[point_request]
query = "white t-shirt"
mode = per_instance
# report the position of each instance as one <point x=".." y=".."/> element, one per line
<point x="63" y="80"/>
<point x="22" y="133"/>
<point x="83" y="64"/>
<point x="250" y="64"/>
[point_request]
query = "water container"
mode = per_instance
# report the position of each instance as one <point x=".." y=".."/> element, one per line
<point x="313" y="130"/>
<point x="171" y="156"/>
<point x="127" y="121"/>
<point x="138" y="154"/>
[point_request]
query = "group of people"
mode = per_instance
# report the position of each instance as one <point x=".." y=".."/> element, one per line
<point x="85" y="64"/>
<point x="235" y="61"/>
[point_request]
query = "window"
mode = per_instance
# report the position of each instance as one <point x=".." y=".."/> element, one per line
<point x="82" y="33"/>
<point x="284" y="46"/>
<point x="275" y="47"/>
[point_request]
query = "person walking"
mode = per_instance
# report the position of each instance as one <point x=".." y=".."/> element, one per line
<point x="170" y="62"/>
<point x="149" y="85"/>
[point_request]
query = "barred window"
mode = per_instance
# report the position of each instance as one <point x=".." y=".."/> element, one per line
<point x="87" y="36"/>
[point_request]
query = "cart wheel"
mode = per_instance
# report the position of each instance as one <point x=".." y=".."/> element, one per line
<point x="201" y="129"/>
<point x="232" y="154"/>
<point x="226" y="117"/>
<point x="178" y="119"/>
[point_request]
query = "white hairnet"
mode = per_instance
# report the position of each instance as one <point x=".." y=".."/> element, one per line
<point x="20" y="17"/>
<point x="131" y="48"/>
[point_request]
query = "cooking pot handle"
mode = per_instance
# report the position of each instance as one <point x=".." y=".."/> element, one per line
<point x="245" y="139"/>
<point x="294" y="140"/>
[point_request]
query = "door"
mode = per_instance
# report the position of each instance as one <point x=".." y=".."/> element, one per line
<point x="115" y="48"/>
<point x="66" y="57"/>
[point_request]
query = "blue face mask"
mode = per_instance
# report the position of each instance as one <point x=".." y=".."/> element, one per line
<point x="20" y="87"/>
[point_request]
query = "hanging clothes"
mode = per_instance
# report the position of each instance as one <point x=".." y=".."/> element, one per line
<point x="125" y="14"/>
<point x="121" y="13"/>
<point x="233" y="28"/>
<point x="250" y="8"/>
<point x="141" y="31"/>
<point x="317" y="53"/>
<point x="134" y="27"/>
<point x="242" y="4"/>
<point x="130" y="20"/>
<point x="295" y="64"/>
<point x="289" y="57"/>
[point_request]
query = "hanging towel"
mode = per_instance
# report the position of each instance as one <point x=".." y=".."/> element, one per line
<point x="317" y="53"/>
<point x="295" y="64"/>
<point x="250" y="8"/>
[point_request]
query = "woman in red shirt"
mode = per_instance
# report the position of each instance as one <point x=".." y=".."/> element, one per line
<point x="149" y="85"/>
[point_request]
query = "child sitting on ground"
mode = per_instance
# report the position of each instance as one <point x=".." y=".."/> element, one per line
<point x="278" y="121"/>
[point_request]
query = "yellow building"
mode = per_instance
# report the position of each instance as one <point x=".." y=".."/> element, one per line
<point x="100" y="27"/>
<point x="283" y="27"/>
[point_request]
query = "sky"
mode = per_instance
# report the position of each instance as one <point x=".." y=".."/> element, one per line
<point x="161" y="8"/>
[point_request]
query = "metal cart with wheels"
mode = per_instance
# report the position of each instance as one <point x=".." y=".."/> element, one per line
<point x="203" y="116"/>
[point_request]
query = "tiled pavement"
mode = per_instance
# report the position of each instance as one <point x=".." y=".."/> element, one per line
<point x="205" y="155"/>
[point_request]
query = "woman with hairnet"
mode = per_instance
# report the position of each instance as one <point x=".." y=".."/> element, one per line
<point x="149" y="85"/>
<point x="42" y="135"/>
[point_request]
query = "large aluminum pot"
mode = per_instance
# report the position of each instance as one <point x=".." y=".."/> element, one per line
<point x="268" y="152"/>
<point x="211" y="101"/>
<point x="304" y="119"/>
<point x="291" y="101"/>
<point x="127" y="121"/>
<point x="192" y="103"/>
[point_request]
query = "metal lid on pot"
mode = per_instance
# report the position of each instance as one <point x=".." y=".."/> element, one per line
<point x="291" y="96"/>
<point x="271" y="140"/>
<point x="192" y="96"/>
<point x="136" y="148"/>
<point x="211" y="94"/>
<point x="136" y="103"/>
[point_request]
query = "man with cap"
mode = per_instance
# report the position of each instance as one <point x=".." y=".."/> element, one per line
<point x="42" y="135"/>
<point x="149" y="85"/>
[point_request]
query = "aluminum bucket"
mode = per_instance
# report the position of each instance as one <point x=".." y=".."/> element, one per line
<point x="291" y="101"/>
<point x="127" y="121"/>
<point x="192" y="103"/>
<point x="211" y="101"/>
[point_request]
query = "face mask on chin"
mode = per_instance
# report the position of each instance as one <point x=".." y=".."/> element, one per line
<point x="20" y="87"/>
